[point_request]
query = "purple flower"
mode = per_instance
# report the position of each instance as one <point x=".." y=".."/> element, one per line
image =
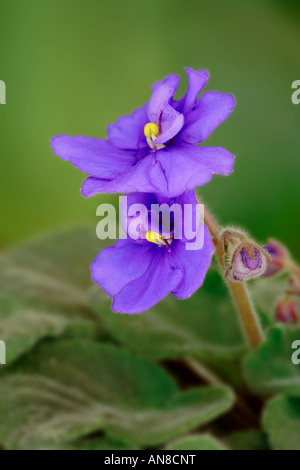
<point x="140" y="272"/>
<point x="153" y="149"/>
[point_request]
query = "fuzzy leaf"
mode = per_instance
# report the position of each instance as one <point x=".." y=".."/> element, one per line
<point x="196" y="442"/>
<point x="43" y="286"/>
<point x="21" y="328"/>
<point x="94" y="443"/>
<point x="251" y="439"/>
<point x="269" y="368"/>
<point x="205" y="326"/>
<point x="100" y="444"/>
<point x="64" y="391"/>
<point x="52" y="272"/>
<point x="281" y="420"/>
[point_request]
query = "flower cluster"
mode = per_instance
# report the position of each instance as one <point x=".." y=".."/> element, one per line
<point x="153" y="155"/>
<point x="279" y="262"/>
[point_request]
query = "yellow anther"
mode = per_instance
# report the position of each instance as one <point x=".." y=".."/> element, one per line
<point x="154" y="237"/>
<point x="151" y="129"/>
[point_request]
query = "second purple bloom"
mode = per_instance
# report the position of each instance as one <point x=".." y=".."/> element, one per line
<point x="155" y="259"/>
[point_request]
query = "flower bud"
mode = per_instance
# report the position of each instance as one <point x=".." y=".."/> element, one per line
<point x="278" y="254"/>
<point x="245" y="259"/>
<point x="247" y="264"/>
<point x="286" y="311"/>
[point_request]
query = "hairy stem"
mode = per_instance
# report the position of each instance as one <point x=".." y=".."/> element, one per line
<point x="238" y="290"/>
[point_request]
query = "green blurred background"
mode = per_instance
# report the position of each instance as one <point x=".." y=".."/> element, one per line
<point x="75" y="66"/>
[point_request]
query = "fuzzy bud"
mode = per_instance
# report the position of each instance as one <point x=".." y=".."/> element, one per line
<point x="278" y="254"/>
<point x="286" y="311"/>
<point x="245" y="259"/>
<point x="247" y="265"/>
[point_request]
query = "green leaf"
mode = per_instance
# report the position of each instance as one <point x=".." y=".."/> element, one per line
<point x="196" y="442"/>
<point x="251" y="439"/>
<point x="66" y="390"/>
<point x="22" y="328"/>
<point x="281" y="420"/>
<point x="269" y="368"/>
<point x="52" y="272"/>
<point x="205" y="326"/>
<point x="100" y="444"/>
<point x="43" y="286"/>
<point x="95" y="443"/>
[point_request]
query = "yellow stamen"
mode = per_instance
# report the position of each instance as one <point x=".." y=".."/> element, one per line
<point x="154" y="237"/>
<point x="151" y="129"/>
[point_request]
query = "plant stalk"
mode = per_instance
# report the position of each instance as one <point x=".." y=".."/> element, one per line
<point x="248" y="315"/>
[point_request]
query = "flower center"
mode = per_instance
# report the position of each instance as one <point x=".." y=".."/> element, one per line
<point x="158" y="239"/>
<point x="151" y="131"/>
